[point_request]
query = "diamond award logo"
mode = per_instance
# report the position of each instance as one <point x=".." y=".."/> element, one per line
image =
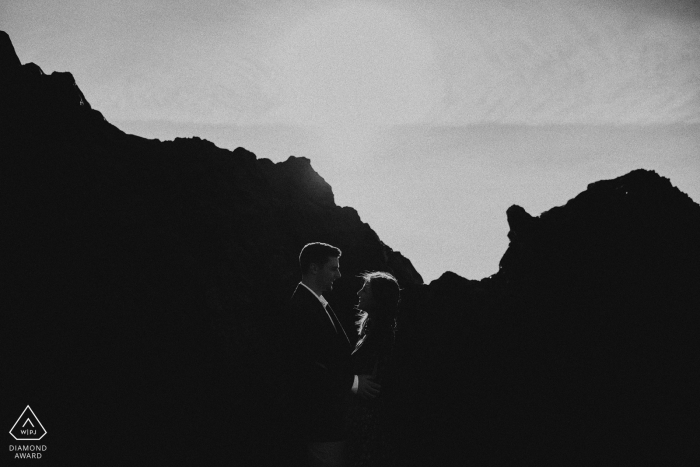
<point x="28" y="427"/>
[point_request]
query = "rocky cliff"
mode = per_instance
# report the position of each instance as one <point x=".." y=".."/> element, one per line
<point x="145" y="277"/>
<point x="144" y="282"/>
<point x="583" y="348"/>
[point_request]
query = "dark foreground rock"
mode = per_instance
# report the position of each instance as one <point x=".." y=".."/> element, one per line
<point x="144" y="282"/>
<point x="146" y="279"/>
<point x="583" y="348"/>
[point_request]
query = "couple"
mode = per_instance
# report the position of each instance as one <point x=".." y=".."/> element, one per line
<point x="338" y="386"/>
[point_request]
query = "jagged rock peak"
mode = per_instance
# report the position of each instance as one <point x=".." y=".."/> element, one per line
<point x="639" y="187"/>
<point x="639" y="218"/>
<point x="518" y="220"/>
<point x="8" y="57"/>
<point x="33" y="69"/>
<point x="195" y="142"/>
<point x="635" y="179"/>
<point x="298" y="177"/>
<point x="243" y="152"/>
<point x="32" y="87"/>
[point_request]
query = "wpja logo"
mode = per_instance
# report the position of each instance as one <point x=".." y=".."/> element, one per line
<point x="28" y="428"/>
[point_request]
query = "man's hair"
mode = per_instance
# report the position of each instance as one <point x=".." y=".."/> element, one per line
<point x="316" y="253"/>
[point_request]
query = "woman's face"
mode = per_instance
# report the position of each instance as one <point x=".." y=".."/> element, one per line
<point x="366" y="302"/>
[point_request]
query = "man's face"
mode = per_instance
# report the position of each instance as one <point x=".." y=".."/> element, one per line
<point x="328" y="274"/>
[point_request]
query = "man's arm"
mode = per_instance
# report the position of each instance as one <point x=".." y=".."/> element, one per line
<point x="315" y="363"/>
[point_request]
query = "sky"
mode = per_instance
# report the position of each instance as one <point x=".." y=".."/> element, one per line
<point x="429" y="118"/>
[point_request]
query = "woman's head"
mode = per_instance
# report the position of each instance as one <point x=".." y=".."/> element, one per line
<point x="378" y="300"/>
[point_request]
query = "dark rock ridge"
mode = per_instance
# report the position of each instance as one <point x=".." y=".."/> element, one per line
<point x="583" y="348"/>
<point x="145" y="279"/>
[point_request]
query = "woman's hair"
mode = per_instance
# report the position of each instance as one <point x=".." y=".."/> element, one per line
<point x="386" y="293"/>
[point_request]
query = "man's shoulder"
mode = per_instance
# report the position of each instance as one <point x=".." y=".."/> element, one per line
<point x="304" y="307"/>
<point x="302" y="295"/>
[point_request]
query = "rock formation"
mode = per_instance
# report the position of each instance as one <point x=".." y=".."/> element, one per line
<point x="144" y="281"/>
<point x="146" y="276"/>
<point x="581" y="350"/>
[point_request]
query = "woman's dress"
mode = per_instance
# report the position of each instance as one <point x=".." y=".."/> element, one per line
<point x="368" y="444"/>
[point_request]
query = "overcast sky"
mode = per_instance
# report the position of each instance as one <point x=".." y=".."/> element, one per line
<point x="430" y="118"/>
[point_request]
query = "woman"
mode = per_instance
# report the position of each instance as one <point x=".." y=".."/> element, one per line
<point x="378" y="306"/>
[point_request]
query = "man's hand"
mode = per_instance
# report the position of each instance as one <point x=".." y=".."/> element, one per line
<point x="366" y="387"/>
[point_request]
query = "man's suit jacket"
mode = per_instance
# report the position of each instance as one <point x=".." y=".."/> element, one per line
<point x="322" y="370"/>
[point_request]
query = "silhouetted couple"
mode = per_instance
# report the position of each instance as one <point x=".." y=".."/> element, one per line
<point x="338" y="389"/>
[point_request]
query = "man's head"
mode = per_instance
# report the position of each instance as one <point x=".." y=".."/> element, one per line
<point x="319" y="266"/>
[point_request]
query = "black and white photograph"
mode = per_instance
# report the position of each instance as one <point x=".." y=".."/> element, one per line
<point x="372" y="233"/>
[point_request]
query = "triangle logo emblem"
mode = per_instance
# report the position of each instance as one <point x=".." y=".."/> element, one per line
<point x="28" y="427"/>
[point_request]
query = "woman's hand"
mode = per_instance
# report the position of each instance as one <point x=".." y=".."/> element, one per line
<point x="366" y="387"/>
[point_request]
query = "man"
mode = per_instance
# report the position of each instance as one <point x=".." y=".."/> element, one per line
<point x="321" y="357"/>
